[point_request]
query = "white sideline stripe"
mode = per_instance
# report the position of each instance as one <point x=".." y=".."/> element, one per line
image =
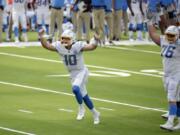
<point x="68" y="94"/>
<point x="24" y="111"/>
<point x="130" y="49"/>
<point x="104" y="108"/>
<point x="66" y="110"/>
<point x="16" y="131"/>
<point x="98" y="67"/>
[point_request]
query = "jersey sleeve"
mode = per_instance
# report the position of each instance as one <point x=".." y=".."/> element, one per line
<point x="57" y="45"/>
<point x="78" y="46"/>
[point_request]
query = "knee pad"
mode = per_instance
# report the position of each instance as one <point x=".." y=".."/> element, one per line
<point x="139" y="27"/>
<point x="131" y="27"/>
<point x="76" y="89"/>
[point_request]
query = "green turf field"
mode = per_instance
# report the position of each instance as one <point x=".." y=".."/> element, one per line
<point x="36" y="99"/>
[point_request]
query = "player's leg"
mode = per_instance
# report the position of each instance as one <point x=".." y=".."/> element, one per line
<point x="131" y="27"/>
<point x="47" y="21"/>
<point x="1" y="23"/>
<point x="177" y="127"/>
<point x="79" y="26"/>
<point x="172" y="98"/>
<point x="24" y="27"/>
<point x="59" y="21"/>
<point x="86" y="20"/>
<point x="139" y="27"/>
<point x="15" y="18"/>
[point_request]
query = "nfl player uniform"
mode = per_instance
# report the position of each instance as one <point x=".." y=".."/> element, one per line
<point x="170" y="52"/>
<point x="43" y="14"/>
<point x="136" y="21"/>
<point x="171" y="64"/>
<point x="19" y="16"/>
<point x="73" y="60"/>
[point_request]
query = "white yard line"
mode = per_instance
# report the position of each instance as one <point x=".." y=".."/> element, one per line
<point x="25" y="111"/>
<point x="92" y="66"/>
<point x="66" y="110"/>
<point x="68" y="94"/>
<point x="107" y="109"/>
<point x="16" y="131"/>
<point x="130" y="49"/>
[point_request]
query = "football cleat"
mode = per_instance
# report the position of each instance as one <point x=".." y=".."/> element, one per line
<point x="81" y="113"/>
<point x="177" y="127"/>
<point x="167" y="126"/>
<point x="96" y="116"/>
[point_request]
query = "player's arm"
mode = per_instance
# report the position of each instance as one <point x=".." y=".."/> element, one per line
<point x="153" y="34"/>
<point x="93" y="44"/>
<point x="44" y="42"/>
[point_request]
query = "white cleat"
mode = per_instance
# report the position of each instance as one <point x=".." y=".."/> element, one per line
<point x="167" y="126"/>
<point x="81" y="113"/>
<point x="96" y="118"/>
<point x="177" y="127"/>
<point x="16" y="40"/>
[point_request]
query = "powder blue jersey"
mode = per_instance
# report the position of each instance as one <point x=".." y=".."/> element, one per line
<point x="171" y="57"/>
<point x="73" y="58"/>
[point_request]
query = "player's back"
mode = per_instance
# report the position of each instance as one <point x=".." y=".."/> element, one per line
<point x="171" y="57"/>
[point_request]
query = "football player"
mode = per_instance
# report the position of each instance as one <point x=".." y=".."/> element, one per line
<point x="43" y="14"/>
<point x="170" y="52"/>
<point x="71" y="54"/>
<point x="19" y="16"/>
<point x="136" y="22"/>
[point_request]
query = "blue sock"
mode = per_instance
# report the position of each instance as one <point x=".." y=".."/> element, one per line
<point x="16" y="32"/>
<point x="88" y="102"/>
<point x="178" y="109"/>
<point x="76" y="91"/>
<point x="172" y="109"/>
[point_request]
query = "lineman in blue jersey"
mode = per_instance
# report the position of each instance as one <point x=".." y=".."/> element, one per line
<point x="71" y="54"/>
<point x="170" y="52"/>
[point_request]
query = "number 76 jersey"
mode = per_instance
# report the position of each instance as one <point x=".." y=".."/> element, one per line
<point x="171" y="57"/>
<point x="73" y="58"/>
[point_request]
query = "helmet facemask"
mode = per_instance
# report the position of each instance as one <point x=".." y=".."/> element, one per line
<point x="172" y="34"/>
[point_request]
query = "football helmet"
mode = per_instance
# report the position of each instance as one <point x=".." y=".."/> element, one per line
<point x="67" y="37"/>
<point x="172" y="34"/>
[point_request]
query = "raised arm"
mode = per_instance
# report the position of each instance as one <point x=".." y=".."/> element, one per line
<point x="93" y="44"/>
<point x="153" y="34"/>
<point x="44" y="42"/>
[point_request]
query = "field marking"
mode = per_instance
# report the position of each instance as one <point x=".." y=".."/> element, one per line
<point x="25" y="111"/>
<point x="68" y="94"/>
<point x="107" y="109"/>
<point x="66" y="110"/>
<point x="91" y="66"/>
<point x="130" y="49"/>
<point x="16" y="131"/>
